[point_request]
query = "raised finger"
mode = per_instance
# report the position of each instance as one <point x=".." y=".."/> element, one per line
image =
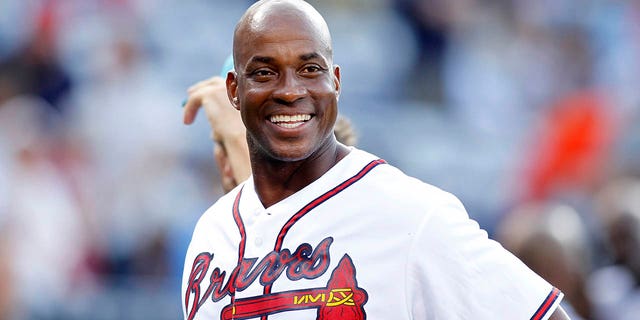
<point x="191" y="109"/>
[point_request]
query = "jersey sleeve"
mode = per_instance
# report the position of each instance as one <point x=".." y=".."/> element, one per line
<point x="456" y="272"/>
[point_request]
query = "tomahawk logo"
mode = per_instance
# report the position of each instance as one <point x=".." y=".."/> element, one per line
<point x="340" y="299"/>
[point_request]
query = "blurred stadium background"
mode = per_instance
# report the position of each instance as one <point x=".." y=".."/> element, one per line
<point x="529" y="111"/>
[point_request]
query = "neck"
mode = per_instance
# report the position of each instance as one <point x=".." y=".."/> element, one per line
<point x="276" y="180"/>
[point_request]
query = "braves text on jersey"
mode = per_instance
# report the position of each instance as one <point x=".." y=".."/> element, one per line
<point x="364" y="241"/>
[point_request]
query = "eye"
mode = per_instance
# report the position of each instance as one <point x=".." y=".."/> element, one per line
<point x="312" y="69"/>
<point x="262" y="74"/>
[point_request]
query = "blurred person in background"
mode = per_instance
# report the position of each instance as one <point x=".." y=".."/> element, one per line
<point x="34" y="67"/>
<point x="615" y="287"/>
<point x="570" y="150"/>
<point x="228" y="133"/>
<point x="122" y="114"/>
<point x="431" y="23"/>
<point x="110" y="198"/>
<point x="44" y="225"/>
<point x="552" y="240"/>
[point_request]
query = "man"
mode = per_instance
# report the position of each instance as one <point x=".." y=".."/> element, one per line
<point x="324" y="231"/>
<point x="227" y="130"/>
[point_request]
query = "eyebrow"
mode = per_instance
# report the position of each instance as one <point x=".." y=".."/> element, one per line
<point x="303" y="57"/>
<point x="309" y="56"/>
<point x="261" y="59"/>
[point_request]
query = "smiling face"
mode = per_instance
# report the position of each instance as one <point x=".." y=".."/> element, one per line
<point x="286" y="85"/>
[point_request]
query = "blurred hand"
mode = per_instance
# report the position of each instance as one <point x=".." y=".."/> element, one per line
<point x="222" y="116"/>
<point x="227" y="130"/>
<point x="227" y="176"/>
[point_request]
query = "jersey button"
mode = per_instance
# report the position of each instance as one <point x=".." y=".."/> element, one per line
<point x="258" y="241"/>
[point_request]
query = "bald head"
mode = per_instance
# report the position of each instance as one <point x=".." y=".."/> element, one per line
<point x="268" y="19"/>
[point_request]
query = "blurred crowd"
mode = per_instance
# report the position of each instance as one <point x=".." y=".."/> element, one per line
<point x="529" y="111"/>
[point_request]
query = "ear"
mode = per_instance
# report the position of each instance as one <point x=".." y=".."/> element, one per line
<point x="336" y="80"/>
<point x="232" y="89"/>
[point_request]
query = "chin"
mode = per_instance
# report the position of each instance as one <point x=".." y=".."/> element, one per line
<point x="291" y="151"/>
<point x="290" y="155"/>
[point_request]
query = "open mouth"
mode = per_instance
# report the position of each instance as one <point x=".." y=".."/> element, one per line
<point x="289" y="121"/>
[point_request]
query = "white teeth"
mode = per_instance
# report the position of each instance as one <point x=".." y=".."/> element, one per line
<point x="290" y="121"/>
<point x="290" y="125"/>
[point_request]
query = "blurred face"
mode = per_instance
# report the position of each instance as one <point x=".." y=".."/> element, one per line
<point x="227" y="178"/>
<point x="287" y="87"/>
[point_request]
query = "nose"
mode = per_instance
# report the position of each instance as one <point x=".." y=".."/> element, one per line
<point x="290" y="88"/>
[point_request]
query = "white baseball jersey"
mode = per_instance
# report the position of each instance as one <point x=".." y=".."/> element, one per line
<point x="364" y="241"/>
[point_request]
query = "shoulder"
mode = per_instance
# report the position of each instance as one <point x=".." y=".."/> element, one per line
<point x="388" y="180"/>
<point x="388" y="188"/>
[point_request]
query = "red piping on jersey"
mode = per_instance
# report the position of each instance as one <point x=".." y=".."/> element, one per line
<point x="326" y="196"/>
<point x="318" y="201"/>
<point x="546" y="304"/>
<point x="243" y="232"/>
<point x="241" y="246"/>
<point x="297" y="216"/>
